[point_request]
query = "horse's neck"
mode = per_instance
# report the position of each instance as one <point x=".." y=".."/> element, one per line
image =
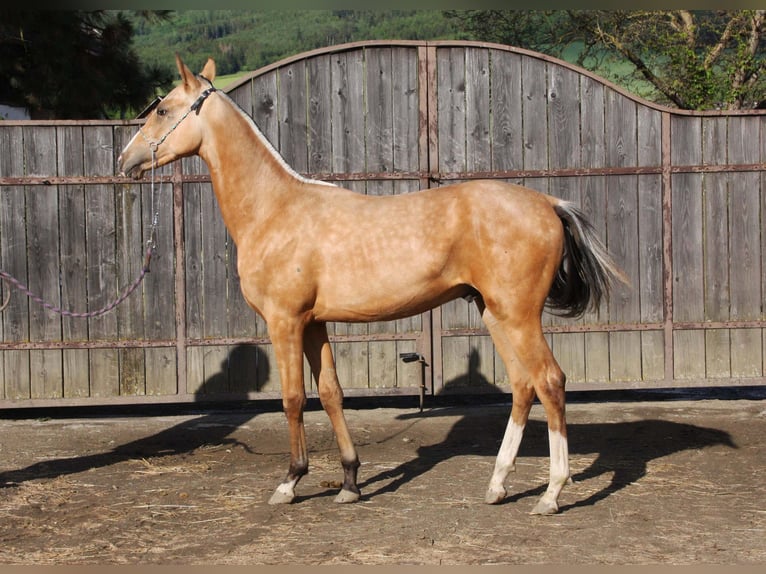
<point x="249" y="178"/>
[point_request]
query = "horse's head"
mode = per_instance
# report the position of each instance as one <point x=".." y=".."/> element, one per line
<point x="173" y="129"/>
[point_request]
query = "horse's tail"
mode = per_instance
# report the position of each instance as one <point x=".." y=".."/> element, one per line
<point x="587" y="272"/>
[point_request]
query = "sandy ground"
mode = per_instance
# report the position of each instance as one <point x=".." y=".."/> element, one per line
<point x="663" y="482"/>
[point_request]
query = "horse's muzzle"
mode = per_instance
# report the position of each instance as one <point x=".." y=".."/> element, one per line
<point x="129" y="168"/>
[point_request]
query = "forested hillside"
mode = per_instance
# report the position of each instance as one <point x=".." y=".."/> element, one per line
<point x="247" y="40"/>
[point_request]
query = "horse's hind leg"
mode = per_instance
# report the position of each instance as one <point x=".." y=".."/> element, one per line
<point x="319" y="354"/>
<point x="523" y="395"/>
<point x="505" y="463"/>
<point x="533" y="370"/>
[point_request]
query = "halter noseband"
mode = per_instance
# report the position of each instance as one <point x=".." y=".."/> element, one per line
<point x="195" y="107"/>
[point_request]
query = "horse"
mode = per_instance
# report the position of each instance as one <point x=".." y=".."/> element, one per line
<point x="311" y="252"/>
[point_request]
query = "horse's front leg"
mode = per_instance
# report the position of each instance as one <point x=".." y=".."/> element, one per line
<point x="287" y="339"/>
<point x="319" y="354"/>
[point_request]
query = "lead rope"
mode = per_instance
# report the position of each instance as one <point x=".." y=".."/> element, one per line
<point x="151" y="245"/>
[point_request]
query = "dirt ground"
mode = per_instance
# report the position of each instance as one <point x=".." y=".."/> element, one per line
<point x="663" y="482"/>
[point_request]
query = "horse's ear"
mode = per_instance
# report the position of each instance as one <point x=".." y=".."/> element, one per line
<point x="209" y="70"/>
<point x="186" y="74"/>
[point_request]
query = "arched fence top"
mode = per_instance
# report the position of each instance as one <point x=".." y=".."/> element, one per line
<point x="351" y="46"/>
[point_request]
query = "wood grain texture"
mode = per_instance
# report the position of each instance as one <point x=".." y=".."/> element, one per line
<point x="366" y="109"/>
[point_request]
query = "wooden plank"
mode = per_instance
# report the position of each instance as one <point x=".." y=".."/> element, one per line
<point x="716" y="249"/>
<point x="243" y="97"/>
<point x="161" y="371"/>
<point x="622" y="233"/>
<point x="652" y="356"/>
<point x="649" y="246"/>
<point x="319" y="114"/>
<point x="745" y="240"/>
<point x="506" y="136"/>
<point x="594" y="202"/>
<point x="534" y="99"/>
<point x="379" y="124"/>
<point x="241" y="320"/>
<point x="74" y="294"/>
<point x="688" y="300"/>
<point x="477" y="110"/>
<point x="268" y="374"/>
<point x="130" y="251"/>
<point x="195" y="372"/>
<point x="347" y="73"/>
<point x="622" y="197"/>
<point x="455" y="363"/>
<point x="688" y="357"/>
<point x="193" y="259"/>
<point x="102" y="265"/>
<point x="451" y="72"/>
<point x="13" y="256"/>
<point x="382" y="364"/>
<point x="404" y="101"/>
<point x="158" y="290"/>
<point x="569" y="350"/>
<point x="241" y="323"/>
<point x="564" y="117"/>
<point x="265" y="106"/>
<point x="292" y="107"/>
<point x="214" y="321"/>
<point x="43" y="264"/>
<point x="763" y="215"/>
<point x="192" y="198"/>
<point x="406" y="374"/>
<point x="480" y="363"/>
<point x="243" y="369"/>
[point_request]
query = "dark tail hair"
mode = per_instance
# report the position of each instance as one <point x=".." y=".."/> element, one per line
<point x="587" y="271"/>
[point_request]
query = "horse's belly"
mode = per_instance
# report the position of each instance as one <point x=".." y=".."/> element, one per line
<point x="375" y="304"/>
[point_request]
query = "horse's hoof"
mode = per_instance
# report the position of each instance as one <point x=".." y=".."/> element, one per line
<point x="346" y="497"/>
<point x="280" y="497"/>
<point x="495" y="496"/>
<point x="545" y="508"/>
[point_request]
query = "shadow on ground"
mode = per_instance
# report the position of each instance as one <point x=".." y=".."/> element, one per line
<point x="623" y="449"/>
<point x="179" y="439"/>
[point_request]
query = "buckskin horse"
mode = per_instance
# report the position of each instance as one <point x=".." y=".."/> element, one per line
<point x="310" y="252"/>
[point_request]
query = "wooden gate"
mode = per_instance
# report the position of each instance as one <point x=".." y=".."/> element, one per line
<point x="677" y="196"/>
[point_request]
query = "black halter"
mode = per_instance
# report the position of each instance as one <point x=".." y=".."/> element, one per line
<point x="195" y="107"/>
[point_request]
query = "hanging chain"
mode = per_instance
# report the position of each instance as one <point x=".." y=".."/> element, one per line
<point x="151" y="245"/>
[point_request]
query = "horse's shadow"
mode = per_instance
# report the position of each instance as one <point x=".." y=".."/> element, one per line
<point x="623" y="449"/>
<point x="194" y="433"/>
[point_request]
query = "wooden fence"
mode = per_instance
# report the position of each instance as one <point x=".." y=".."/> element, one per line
<point x="677" y="196"/>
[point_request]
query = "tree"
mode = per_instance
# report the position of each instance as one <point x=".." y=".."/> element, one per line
<point x="73" y="64"/>
<point x="692" y="59"/>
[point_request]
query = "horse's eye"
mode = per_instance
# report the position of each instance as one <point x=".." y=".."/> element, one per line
<point x="161" y="111"/>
